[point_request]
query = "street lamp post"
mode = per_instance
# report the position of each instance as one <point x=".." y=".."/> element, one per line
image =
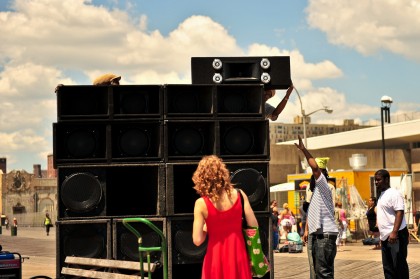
<point x="386" y="102"/>
<point x="304" y="116"/>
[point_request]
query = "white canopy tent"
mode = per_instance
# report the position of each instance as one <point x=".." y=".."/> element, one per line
<point x="282" y="187"/>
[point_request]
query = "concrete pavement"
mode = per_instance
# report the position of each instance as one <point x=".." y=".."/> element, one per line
<point x="356" y="261"/>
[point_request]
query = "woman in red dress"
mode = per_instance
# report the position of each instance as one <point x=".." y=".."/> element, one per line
<point x="218" y="214"/>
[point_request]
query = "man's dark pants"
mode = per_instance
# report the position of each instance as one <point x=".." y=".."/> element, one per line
<point x="324" y="251"/>
<point x="394" y="257"/>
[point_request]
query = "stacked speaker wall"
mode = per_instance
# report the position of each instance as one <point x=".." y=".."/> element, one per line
<point x="131" y="150"/>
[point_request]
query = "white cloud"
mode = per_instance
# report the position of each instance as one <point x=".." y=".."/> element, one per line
<point x="49" y="42"/>
<point x="369" y="26"/>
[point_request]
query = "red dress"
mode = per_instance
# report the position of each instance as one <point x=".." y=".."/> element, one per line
<point x="226" y="257"/>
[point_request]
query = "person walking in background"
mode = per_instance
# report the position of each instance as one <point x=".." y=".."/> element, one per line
<point x="320" y="222"/>
<point x="47" y="223"/>
<point x="218" y="213"/>
<point x="15" y="222"/>
<point x="392" y="228"/>
<point x="6" y="222"/>
<point x="342" y="226"/>
<point x="271" y="112"/>
<point x="371" y="217"/>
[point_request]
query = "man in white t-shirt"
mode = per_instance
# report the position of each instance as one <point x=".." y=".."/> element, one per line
<point x="392" y="228"/>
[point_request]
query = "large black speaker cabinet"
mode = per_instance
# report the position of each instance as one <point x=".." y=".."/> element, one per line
<point x="83" y="102"/>
<point x="252" y="178"/>
<point x="137" y="141"/>
<point x="242" y="138"/>
<point x="188" y="101"/>
<point x="81" y="192"/>
<point x="180" y="196"/>
<point x="137" y="101"/>
<point x="272" y="71"/>
<point x="189" y="140"/>
<point x="83" y="238"/>
<point x="80" y="142"/>
<point x="105" y="142"/>
<point x="109" y="102"/>
<point x="240" y="101"/>
<point x="111" y="190"/>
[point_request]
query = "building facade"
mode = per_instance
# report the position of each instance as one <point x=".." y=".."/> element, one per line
<point x="280" y="132"/>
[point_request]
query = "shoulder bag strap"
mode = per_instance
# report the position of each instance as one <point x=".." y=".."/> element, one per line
<point x="244" y="224"/>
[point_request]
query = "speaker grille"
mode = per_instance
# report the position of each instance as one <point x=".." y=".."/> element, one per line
<point x="81" y="143"/>
<point x="252" y="182"/>
<point x="81" y="192"/>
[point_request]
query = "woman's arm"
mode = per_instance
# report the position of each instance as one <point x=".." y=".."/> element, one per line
<point x="199" y="225"/>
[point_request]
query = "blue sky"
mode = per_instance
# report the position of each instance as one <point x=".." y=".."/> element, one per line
<point x="343" y="55"/>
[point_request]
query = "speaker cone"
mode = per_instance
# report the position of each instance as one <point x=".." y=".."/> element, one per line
<point x="81" y="192"/>
<point x="129" y="245"/>
<point x="85" y="241"/>
<point x="188" y="141"/>
<point x="252" y="182"/>
<point x="134" y="142"/>
<point x="185" y="246"/>
<point x="81" y="143"/>
<point x="238" y="140"/>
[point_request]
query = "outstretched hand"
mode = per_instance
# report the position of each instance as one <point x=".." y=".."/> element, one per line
<point x="300" y="146"/>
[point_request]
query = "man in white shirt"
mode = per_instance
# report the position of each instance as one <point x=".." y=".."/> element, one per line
<point x="392" y="228"/>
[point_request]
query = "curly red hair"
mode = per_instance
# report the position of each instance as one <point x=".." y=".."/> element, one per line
<point x="211" y="178"/>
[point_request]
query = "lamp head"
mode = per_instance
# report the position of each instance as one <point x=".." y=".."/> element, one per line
<point x="328" y="109"/>
<point x="386" y="101"/>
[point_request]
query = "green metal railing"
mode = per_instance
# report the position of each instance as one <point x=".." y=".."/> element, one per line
<point x="163" y="248"/>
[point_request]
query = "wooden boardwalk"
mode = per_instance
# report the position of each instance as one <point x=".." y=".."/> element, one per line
<point x="355" y="262"/>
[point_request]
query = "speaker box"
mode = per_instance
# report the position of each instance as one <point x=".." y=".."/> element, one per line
<point x="111" y="190"/>
<point x="137" y="101"/>
<point x="180" y="196"/>
<point x="240" y="101"/>
<point x="272" y="71"/>
<point x="81" y="192"/>
<point x="137" y="141"/>
<point x="80" y="142"/>
<point x="189" y="140"/>
<point x="252" y="178"/>
<point x="136" y="190"/>
<point x="244" y="138"/>
<point x="189" y="101"/>
<point x="82" y="102"/>
<point x="83" y="238"/>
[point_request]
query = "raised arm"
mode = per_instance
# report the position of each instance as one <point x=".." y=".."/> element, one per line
<point x="280" y="107"/>
<point x="311" y="160"/>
